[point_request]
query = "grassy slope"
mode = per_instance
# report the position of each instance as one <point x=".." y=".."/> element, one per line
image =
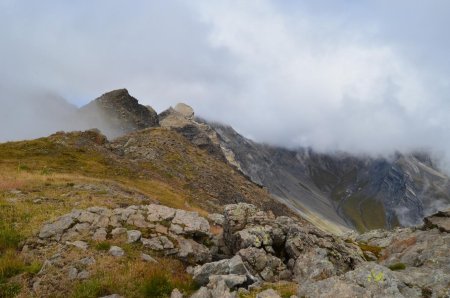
<point x="44" y="178"/>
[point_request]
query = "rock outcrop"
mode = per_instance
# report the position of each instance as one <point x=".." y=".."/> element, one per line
<point x="181" y="119"/>
<point x="257" y="249"/>
<point x="158" y="228"/>
<point x="116" y="113"/>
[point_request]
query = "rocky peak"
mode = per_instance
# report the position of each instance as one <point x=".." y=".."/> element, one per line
<point x="185" y="110"/>
<point x="182" y="120"/>
<point x="117" y="112"/>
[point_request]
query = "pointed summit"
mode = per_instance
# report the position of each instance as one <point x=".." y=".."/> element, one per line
<point x="117" y="112"/>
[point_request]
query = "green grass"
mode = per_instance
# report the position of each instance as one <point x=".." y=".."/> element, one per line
<point x="10" y="265"/>
<point x="103" y="245"/>
<point x="9" y="236"/>
<point x="9" y="290"/>
<point x="90" y="289"/>
<point x="158" y="286"/>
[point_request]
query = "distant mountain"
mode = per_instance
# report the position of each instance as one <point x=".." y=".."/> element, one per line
<point x="335" y="191"/>
<point x="353" y="191"/>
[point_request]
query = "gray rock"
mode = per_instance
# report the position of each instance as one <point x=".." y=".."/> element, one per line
<point x="217" y="219"/>
<point x="313" y="265"/>
<point x="79" y="244"/>
<point x="176" y="229"/>
<point x="193" y="252"/>
<point x="234" y="265"/>
<point x="269" y="293"/>
<point x="72" y="273"/>
<point x="220" y="289"/>
<point x="203" y="292"/>
<point x="82" y="228"/>
<point x="368" y="280"/>
<point x="158" y="243"/>
<point x="157" y="213"/>
<point x="133" y="236"/>
<point x="266" y="266"/>
<point x="138" y="220"/>
<point x="112" y="296"/>
<point x="176" y="294"/>
<point x="118" y="232"/>
<point x="87" y="261"/>
<point x="148" y="258"/>
<point x="88" y="217"/>
<point x="57" y="227"/>
<point x="100" y="235"/>
<point x="191" y="222"/>
<point x="231" y="280"/>
<point x="116" y="251"/>
<point x="83" y="275"/>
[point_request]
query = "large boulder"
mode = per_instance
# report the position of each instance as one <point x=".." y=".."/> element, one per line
<point x="56" y="228"/>
<point x="234" y="265"/>
<point x="190" y="223"/>
<point x="263" y="265"/>
<point x="440" y="220"/>
<point x="192" y="252"/>
<point x="310" y="253"/>
<point x="368" y="280"/>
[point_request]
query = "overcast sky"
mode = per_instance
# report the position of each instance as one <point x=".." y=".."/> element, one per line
<point x="359" y="76"/>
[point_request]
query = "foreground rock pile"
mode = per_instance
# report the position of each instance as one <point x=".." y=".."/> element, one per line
<point x="255" y="248"/>
<point x="158" y="228"/>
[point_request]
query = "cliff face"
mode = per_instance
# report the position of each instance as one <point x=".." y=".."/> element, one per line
<point x="352" y="191"/>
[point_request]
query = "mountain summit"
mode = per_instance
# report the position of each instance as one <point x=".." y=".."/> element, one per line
<point x="116" y="113"/>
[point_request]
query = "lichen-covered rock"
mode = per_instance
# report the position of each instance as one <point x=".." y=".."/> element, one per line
<point x="264" y="265"/>
<point x="56" y="228"/>
<point x="311" y="253"/>
<point x="192" y="252"/>
<point x="133" y="236"/>
<point x="231" y="280"/>
<point x="100" y="234"/>
<point x="368" y="280"/>
<point x="216" y="218"/>
<point x="191" y="223"/>
<point x="158" y="213"/>
<point x="158" y="243"/>
<point x="234" y="265"/>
